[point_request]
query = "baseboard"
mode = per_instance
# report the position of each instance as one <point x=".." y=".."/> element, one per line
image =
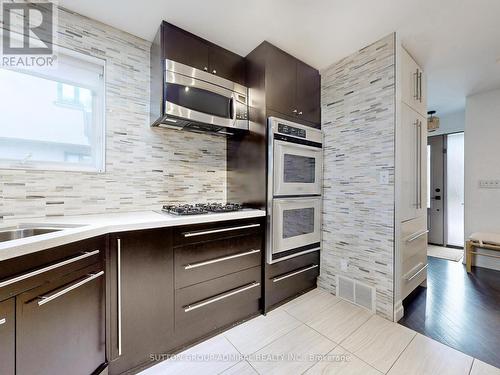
<point x="399" y="311"/>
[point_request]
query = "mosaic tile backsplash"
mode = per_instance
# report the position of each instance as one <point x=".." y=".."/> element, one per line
<point x="145" y="167"/>
<point x="358" y="115"/>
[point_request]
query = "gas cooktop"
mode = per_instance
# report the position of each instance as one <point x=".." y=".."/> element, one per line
<point x="200" y="208"/>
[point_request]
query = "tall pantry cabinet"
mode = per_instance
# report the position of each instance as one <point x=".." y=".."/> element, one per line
<point x="411" y="177"/>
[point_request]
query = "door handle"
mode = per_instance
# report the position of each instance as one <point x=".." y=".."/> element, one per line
<point x="48" y="268"/>
<point x="42" y="300"/>
<point x="415" y="91"/>
<point x="3" y="321"/>
<point x="221" y="259"/>
<point x="279" y="278"/>
<point x="202" y="232"/>
<point x="221" y="297"/>
<point x="119" y="292"/>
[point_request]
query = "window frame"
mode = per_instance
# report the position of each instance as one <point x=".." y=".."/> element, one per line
<point x="100" y="150"/>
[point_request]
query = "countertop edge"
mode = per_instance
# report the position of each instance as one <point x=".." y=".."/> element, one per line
<point x="30" y="245"/>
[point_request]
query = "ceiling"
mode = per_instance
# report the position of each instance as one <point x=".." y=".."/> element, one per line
<point x="457" y="42"/>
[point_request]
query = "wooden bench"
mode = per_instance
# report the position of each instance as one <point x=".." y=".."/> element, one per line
<point x="489" y="241"/>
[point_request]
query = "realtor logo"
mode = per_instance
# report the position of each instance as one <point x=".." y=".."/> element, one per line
<point x="28" y="34"/>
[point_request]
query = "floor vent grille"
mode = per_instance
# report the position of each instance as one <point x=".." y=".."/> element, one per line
<point x="356" y="292"/>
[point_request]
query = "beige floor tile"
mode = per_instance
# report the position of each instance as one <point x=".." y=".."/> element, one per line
<point x="241" y="368"/>
<point x="210" y="357"/>
<point x="339" y="320"/>
<point x="379" y="342"/>
<point x="340" y="362"/>
<point x="293" y="353"/>
<point x="481" y="368"/>
<point x="309" y="304"/>
<point x="426" y="356"/>
<point x="259" y="332"/>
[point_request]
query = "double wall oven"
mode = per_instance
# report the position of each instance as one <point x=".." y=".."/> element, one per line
<point x="295" y="166"/>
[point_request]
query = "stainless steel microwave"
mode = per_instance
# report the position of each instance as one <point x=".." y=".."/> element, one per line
<point x="201" y="101"/>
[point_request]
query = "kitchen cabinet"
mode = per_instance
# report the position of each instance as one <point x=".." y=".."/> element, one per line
<point x="413" y="84"/>
<point x="414" y="162"/>
<point x="217" y="276"/>
<point x="181" y="46"/>
<point x="60" y="325"/>
<point x="290" y="88"/>
<point x="7" y="337"/>
<point x="287" y="279"/>
<point x="53" y="306"/>
<point x="140" y="297"/>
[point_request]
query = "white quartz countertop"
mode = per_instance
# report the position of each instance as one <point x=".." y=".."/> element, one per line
<point x="87" y="226"/>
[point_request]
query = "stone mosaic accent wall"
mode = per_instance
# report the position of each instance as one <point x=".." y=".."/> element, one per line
<point x="358" y="115"/>
<point x="145" y="167"/>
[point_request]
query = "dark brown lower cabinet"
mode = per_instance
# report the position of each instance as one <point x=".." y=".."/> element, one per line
<point x="7" y="337"/>
<point x="140" y="297"/>
<point x="287" y="279"/>
<point x="60" y="325"/>
<point x="211" y="305"/>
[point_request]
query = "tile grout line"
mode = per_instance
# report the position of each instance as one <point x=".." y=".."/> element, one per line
<point x="400" y="354"/>
<point x="357" y="329"/>
<point x="471" y="365"/>
<point x="361" y="359"/>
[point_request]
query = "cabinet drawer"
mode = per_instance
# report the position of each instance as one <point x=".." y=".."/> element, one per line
<point x="29" y="271"/>
<point x="212" y="231"/>
<point x="413" y="254"/>
<point x="205" y="307"/>
<point x="289" y="278"/>
<point x="208" y="260"/>
<point x="7" y="337"/>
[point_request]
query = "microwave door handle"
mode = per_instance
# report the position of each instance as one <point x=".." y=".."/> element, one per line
<point x="232" y="108"/>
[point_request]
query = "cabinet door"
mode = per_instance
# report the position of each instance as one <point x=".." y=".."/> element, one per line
<point x="141" y="297"/>
<point x="183" y="47"/>
<point x="409" y="167"/>
<point x="414" y="164"/>
<point x="227" y="65"/>
<point x="308" y="93"/>
<point x="281" y="78"/>
<point x="413" y="84"/>
<point x="60" y="325"/>
<point x="7" y="337"/>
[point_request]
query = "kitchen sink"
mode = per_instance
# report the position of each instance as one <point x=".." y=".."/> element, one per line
<point x="27" y="230"/>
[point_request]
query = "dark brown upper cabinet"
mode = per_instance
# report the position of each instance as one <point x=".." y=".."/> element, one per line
<point x="290" y="88"/>
<point x="182" y="46"/>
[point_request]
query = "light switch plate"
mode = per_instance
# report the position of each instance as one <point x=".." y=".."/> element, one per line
<point x="489" y="184"/>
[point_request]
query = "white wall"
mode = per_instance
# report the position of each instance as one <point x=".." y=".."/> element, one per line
<point x="450" y="123"/>
<point x="482" y="161"/>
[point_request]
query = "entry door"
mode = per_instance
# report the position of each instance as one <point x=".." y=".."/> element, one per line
<point x="435" y="209"/>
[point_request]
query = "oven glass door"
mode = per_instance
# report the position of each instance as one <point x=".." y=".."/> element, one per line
<point x="297" y="169"/>
<point x="296" y="226"/>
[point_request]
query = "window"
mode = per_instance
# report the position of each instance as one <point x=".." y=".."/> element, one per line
<point x="53" y="118"/>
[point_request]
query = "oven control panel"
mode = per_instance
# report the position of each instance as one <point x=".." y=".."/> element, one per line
<point x="290" y="130"/>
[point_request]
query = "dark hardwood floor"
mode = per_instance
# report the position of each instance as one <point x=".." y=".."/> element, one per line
<point x="458" y="309"/>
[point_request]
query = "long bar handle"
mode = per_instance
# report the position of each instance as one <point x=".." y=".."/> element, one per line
<point x="48" y="268"/>
<point x="420" y="87"/>
<point x="417" y="235"/>
<point x="119" y="292"/>
<point x="415" y="274"/>
<point x="419" y="164"/>
<point x="203" y="232"/>
<point x="42" y="300"/>
<point x="222" y="259"/>
<point x="417" y="153"/>
<point x="221" y="297"/>
<point x="415" y="91"/>
<point x="276" y="279"/>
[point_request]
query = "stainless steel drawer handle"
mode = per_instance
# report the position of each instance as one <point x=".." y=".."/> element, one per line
<point x="276" y="279"/>
<point x="3" y="321"/>
<point x="221" y="297"/>
<point x="417" y="235"/>
<point x="42" y="300"/>
<point x="48" y="268"/>
<point x="203" y="232"/>
<point x="119" y="292"/>
<point x="415" y="274"/>
<point x="222" y="259"/>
